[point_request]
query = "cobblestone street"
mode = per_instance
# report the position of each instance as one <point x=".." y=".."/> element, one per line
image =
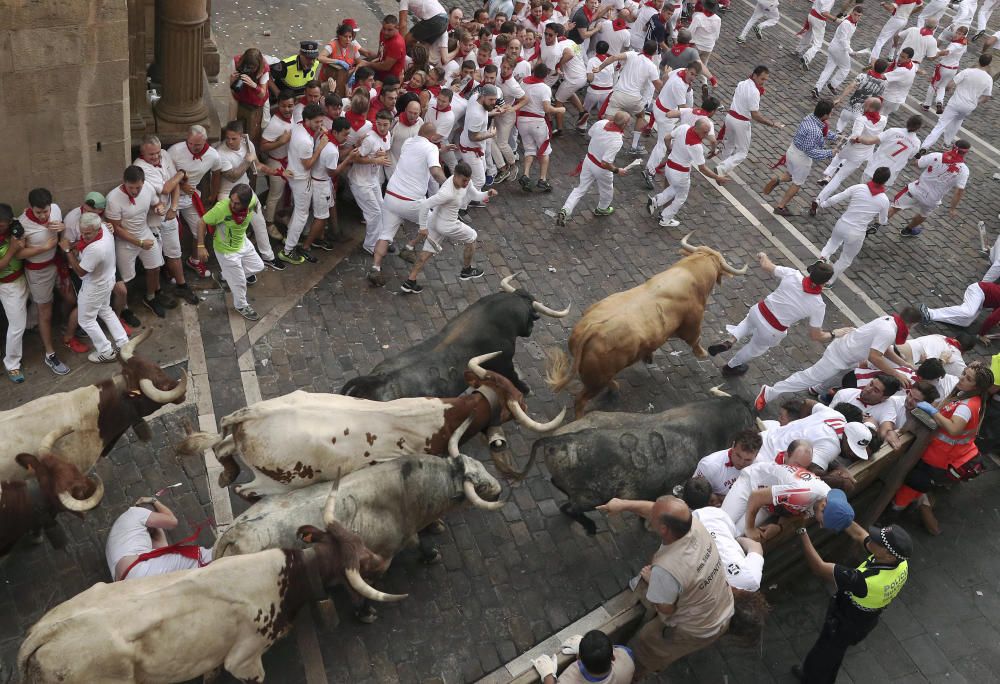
<point x="512" y="578"/>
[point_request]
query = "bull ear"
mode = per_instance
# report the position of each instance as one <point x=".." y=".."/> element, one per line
<point x="309" y="534"/>
<point x="27" y="461"/>
<point x="471" y="378"/>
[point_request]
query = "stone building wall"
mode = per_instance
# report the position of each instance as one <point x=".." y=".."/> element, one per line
<point x="64" y="112"/>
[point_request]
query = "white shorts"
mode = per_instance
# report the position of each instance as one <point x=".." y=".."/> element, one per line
<point x="534" y="136"/>
<point x="394" y="212"/>
<point x="41" y="284"/>
<point x="322" y="198"/>
<point x="624" y="102"/>
<point x="457" y="232"/>
<point x="568" y="88"/>
<point x="906" y="200"/>
<point x="171" y="562"/>
<point x="170" y="238"/>
<point x="126" y="254"/>
<point x="799" y="164"/>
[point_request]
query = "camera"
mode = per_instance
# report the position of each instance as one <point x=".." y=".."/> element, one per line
<point x="242" y="71"/>
<point x="16" y="229"/>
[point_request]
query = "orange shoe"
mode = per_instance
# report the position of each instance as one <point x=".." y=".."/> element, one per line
<point x="126" y="326"/>
<point x="75" y="345"/>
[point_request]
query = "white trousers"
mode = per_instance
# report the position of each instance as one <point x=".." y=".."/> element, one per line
<point x="189" y="215"/>
<point x="811" y="42"/>
<point x="936" y="91"/>
<point x="302" y="197"/>
<point x="594" y="99"/>
<point x="589" y="175"/>
<point x="840" y="169"/>
<point x="735" y="144"/>
<point x="170" y="240"/>
<point x="394" y="212"/>
<point x="846" y="119"/>
<point x="93" y="303"/>
<point x="276" y="190"/>
<point x="14" y="298"/>
<point x="845" y="236"/>
<point x="676" y="194"/>
<point x="236" y="267"/>
<point x="836" y="69"/>
<point x="477" y="163"/>
<point x="932" y="10"/>
<point x="985" y="11"/>
<point x="736" y="502"/>
<point x="762" y="336"/>
<point x="836" y="361"/>
<point x="947" y="126"/>
<point x="259" y="226"/>
<point x="765" y="10"/>
<point x="503" y="153"/>
<point x="892" y="26"/>
<point x="963" y="15"/>
<point x="369" y="201"/>
<point x="889" y="108"/>
<point x="661" y="125"/>
<point x="965" y="313"/>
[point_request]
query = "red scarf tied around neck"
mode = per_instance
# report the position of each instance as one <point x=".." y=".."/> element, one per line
<point x="953" y="158"/>
<point x="902" y="330"/>
<point x="875" y="74"/>
<point x="405" y="119"/>
<point x="809" y="287"/>
<point x="81" y="244"/>
<point x="874" y="188"/>
<point x="926" y="32"/>
<point x="678" y="48"/>
<point x="692" y="137"/>
<point x="874" y="117"/>
<point x="239" y="216"/>
<point x="198" y="155"/>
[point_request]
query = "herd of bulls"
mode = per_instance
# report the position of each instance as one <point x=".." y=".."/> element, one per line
<point x="342" y="483"/>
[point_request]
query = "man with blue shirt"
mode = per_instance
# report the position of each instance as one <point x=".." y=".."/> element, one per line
<point x="808" y="144"/>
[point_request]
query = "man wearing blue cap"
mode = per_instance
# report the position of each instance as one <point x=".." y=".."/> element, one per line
<point x="862" y="594"/>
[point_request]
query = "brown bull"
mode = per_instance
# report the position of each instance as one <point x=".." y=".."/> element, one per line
<point x="628" y="326"/>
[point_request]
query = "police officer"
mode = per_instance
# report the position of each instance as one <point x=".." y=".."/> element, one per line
<point x="862" y="594"/>
<point x="292" y="73"/>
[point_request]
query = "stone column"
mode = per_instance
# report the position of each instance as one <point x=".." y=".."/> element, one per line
<point x="181" y="25"/>
<point x="209" y="49"/>
<point x="137" y="67"/>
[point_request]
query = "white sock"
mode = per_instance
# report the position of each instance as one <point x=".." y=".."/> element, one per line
<point x="635" y="138"/>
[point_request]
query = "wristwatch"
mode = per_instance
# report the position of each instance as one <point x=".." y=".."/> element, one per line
<point x="800" y="531"/>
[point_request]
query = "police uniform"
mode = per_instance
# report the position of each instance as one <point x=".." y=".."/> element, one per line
<point x="288" y="74"/>
<point x="862" y="594"/>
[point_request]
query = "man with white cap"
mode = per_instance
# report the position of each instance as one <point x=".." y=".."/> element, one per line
<point x="829" y="432"/>
<point x="598" y="167"/>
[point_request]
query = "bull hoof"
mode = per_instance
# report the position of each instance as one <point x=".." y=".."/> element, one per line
<point x="699" y="352"/>
<point x="430" y="557"/>
<point x="366" y="614"/>
<point x="588" y="525"/>
<point x="247" y="494"/>
<point x="436" y="527"/>
<point x="498" y="444"/>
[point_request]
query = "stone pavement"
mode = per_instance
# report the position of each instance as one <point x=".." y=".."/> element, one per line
<point x="510" y="579"/>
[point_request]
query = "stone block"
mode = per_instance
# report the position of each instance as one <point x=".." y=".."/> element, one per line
<point x="52" y="46"/>
<point x="6" y="53"/>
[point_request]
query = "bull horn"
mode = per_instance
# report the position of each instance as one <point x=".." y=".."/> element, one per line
<point x="687" y="245"/>
<point x="717" y="392"/>
<point x="732" y="270"/>
<point x="366" y="590"/>
<point x="49" y="441"/>
<point x="542" y="309"/>
<point x="81" y="505"/>
<point x="161" y="396"/>
<point x="473" y="496"/>
<point x="482" y="358"/>
<point x="456" y="437"/>
<point x="329" y="518"/>
<point x="126" y="352"/>
<point x="505" y="283"/>
<point x="524" y="419"/>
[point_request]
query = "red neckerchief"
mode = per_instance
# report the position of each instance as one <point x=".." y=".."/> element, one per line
<point x="601" y="57"/>
<point x="729" y="458"/>
<point x="587" y="13"/>
<point x="239" y="217"/>
<point x="926" y="32"/>
<point x="82" y="244"/>
<point x="953" y="158"/>
<point x="874" y="117"/>
<point x="381" y="137"/>
<point x="442" y="110"/>
<point x="303" y="101"/>
<point x="198" y="155"/>
<point x="780" y="458"/>
<point x="31" y="216"/>
<point x="850" y="18"/>
<point x="678" y="48"/>
<point x="618" y="24"/>
<point x="698" y="111"/>
<point x="707" y="13"/>
<point x="303" y="124"/>
<point x="501" y="51"/>
<point x="404" y="117"/>
<point x="649" y="57"/>
<point x="650" y="4"/>
<point x="131" y="200"/>
<point x="413" y="89"/>
<point x="809" y="287"/>
<point x="530" y="80"/>
<point x="902" y="330"/>
<point x="611" y="127"/>
<point x="896" y="64"/>
<point x="960" y="41"/>
<point x="692" y="137"/>
<point x="953" y="342"/>
<point x="356" y="120"/>
<point x="481" y="65"/>
<point x="874" y="188"/>
<point x="875" y="74"/>
<point x="282" y="117"/>
<point x="760" y="88"/>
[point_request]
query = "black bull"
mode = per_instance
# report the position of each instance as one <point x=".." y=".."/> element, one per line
<point x="636" y="455"/>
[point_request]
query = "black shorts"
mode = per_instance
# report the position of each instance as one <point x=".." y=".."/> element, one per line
<point x="429" y="30"/>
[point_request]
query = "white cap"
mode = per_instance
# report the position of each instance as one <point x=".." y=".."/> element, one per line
<point x="858" y="437"/>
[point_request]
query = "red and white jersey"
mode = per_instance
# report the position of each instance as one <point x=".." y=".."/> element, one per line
<point x="864" y="374"/>
<point x="208" y="160"/>
<point x="896" y="146"/>
<point x="132" y="211"/>
<point x="790" y="302"/>
<point x="369" y="174"/>
<point x="719" y="470"/>
<point x="443" y="120"/>
<point x="686" y="149"/>
<point x="904" y="8"/>
<point x="875" y="414"/>
<point x="863" y="126"/>
<point x="938" y="178"/>
<point x="898" y="81"/>
<point x="822" y="429"/>
<point x="37" y="234"/>
<point x="921" y="40"/>
<point x="746" y="98"/>
<point x="276" y="128"/>
<point x="413" y="170"/>
<point x="970" y="85"/>
<point x="674" y="93"/>
<point x="603" y="80"/>
<point x="841" y="41"/>
<point x="606" y="140"/>
<point x="537" y="94"/>
<point x="866" y="201"/>
<point x="637" y="73"/>
<point x="794" y="489"/>
<point x="705" y="30"/>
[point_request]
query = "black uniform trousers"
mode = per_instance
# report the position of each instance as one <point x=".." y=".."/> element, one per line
<point x="845" y="625"/>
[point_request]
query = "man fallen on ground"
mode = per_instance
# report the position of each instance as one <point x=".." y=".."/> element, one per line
<point x="721" y="468"/>
<point x="137" y="543"/>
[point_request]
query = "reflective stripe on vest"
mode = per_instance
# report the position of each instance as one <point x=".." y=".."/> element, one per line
<point x="294" y="77"/>
<point x="883" y="586"/>
<point x="944" y="449"/>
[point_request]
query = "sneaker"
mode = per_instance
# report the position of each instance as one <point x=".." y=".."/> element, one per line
<point x="782" y="211"/>
<point x="489" y="182"/>
<point x="581" y="121"/>
<point x="921" y="152"/>
<point x="477" y="205"/>
<point x="411" y="287"/>
<point x="813" y="208"/>
<point x="647" y="178"/>
<point x="758" y="32"/>
<point x="939" y="109"/>
<point x="408" y="254"/>
<point x="198" y="267"/>
<point x="248" y="313"/>
<point x="107" y="357"/>
<point x="872" y="228"/>
<point x="822" y="182"/>
<point x="804" y="63"/>
<point x="671" y="223"/>
<point x="815" y="93"/>
<point x="542" y="185"/>
<point x="15" y="376"/>
<point x="376" y="278"/>
<point x="716" y="349"/>
<point x="274" y="264"/>
<point x="273" y="231"/>
<point x="760" y="402"/>
<point x="502" y="175"/>
<point x="561" y="217"/>
<point x="525" y="183"/>
<point x="979" y="34"/>
<point x="556" y="132"/>
<point x="470" y="273"/>
<point x="604" y="212"/>
<point x="154" y="306"/>
<point x="290" y="257"/>
<point x="75" y="345"/>
<point x="131" y="318"/>
<point x="926" y="108"/>
<point x="306" y="255"/>
<point x="464" y="215"/>
<point x="55" y="365"/>
<point x="732" y="372"/>
<point x="740" y="40"/>
<point x="323" y="245"/>
<point x="252" y="279"/>
<point x="651" y="206"/>
<point x="925" y="314"/>
<point x="829" y="86"/>
<point x="637" y="151"/>
<point x="910" y="232"/>
<point x="392" y="248"/>
<point x="165" y="299"/>
<point x="220" y="282"/>
<point x="187" y="294"/>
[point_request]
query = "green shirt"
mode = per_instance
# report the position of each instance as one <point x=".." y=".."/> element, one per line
<point x="15" y="265"/>
<point x="229" y="235"/>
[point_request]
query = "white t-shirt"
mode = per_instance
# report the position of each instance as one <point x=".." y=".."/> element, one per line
<point x="841" y="41"/>
<point x="368" y="174"/>
<point x="98" y="260"/>
<point x="603" y="80"/>
<point x="604" y="144"/>
<point x="71" y="225"/>
<point x="157" y="176"/>
<point x="970" y="85"/>
<point x="875" y="414"/>
<point x="537" y="94"/>
<point x="422" y="9"/>
<point x="862" y="126"/>
<point x="705" y="31"/>
<point x="413" y="170"/>
<point x="923" y="45"/>
<point x="638" y="71"/>
<point x="128" y="536"/>
<point x="863" y="206"/>
<point x="718" y="469"/>
<point x="477" y="120"/>
<point x="790" y="303"/>
<point x="234" y="158"/>
<point x="746" y="98"/>
<point x="793" y="488"/>
<point x="743" y="570"/>
<point x="132" y="212"/>
<point x="687" y="154"/>
<point x="937" y="178"/>
<point x="853" y="348"/>
<point x="674" y="93"/>
<point x="898" y="82"/>
<point x="822" y="429"/>
<point x="955" y="53"/>
<point x="195" y="168"/>
<point x="896" y="146"/>
<point x="37" y="234"/>
<point x="511" y="90"/>
<point x="444" y="121"/>
<point x="937" y="347"/>
<point x="327" y="163"/>
<point x="301" y="146"/>
<point x="276" y="128"/>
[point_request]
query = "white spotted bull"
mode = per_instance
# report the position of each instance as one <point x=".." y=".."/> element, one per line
<point x="181" y="625"/>
<point x="303" y="438"/>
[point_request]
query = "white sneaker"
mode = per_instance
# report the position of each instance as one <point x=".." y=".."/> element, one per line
<point x="672" y="223"/>
<point x="107" y="357"/>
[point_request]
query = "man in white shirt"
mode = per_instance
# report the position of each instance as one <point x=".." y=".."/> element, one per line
<point x="533" y="128"/>
<point x="13" y="295"/>
<point x="971" y="88"/>
<point x="705" y="28"/>
<point x="736" y="131"/>
<point x="896" y="146"/>
<point x="898" y="81"/>
<point x="638" y="71"/>
<point x="93" y="259"/>
<point x="511" y="91"/>
<point x="948" y="350"/>
<point x="947" y="66"/>
<point x="919" y="38"/>
<point x="686" y="152"/>
<point x="867" y="202"/>
<point x="826" y="429"/>
<point x="838" y="55"/>
<point x="941" y="173"/>
<point x="476" y="135"/>
<point x="439" y="221"/>
<point x="365" y="176"/>
<point x="274" y="143"/>
<point x="861" y="141"/>
<point x="606" y="139"/>
<point x="813" y="30"/>
<point x="763" y="9"/>
<point x="871" y="400"/>
<point x="797" y="297"/>
<point x="675" y="94"/>
<point x="419" y="161"/>
<point x="137" y="544"/>
<point x="901" y="11"/>
<point x="572" y="66"/>
<point x="197" y="159"/>
<point x="721" y="468"/>
<point x="931" y="15"/>
<point x="890" y="429"/>
<point x="872" y="342"/>
<point x="128" y="206"/>
<point x="307" y="142"/>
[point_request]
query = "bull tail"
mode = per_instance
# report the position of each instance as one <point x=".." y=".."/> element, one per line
<point x="223" y="447"/>
<point x="559" y="372"/>
<point x="200" y="442"/>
